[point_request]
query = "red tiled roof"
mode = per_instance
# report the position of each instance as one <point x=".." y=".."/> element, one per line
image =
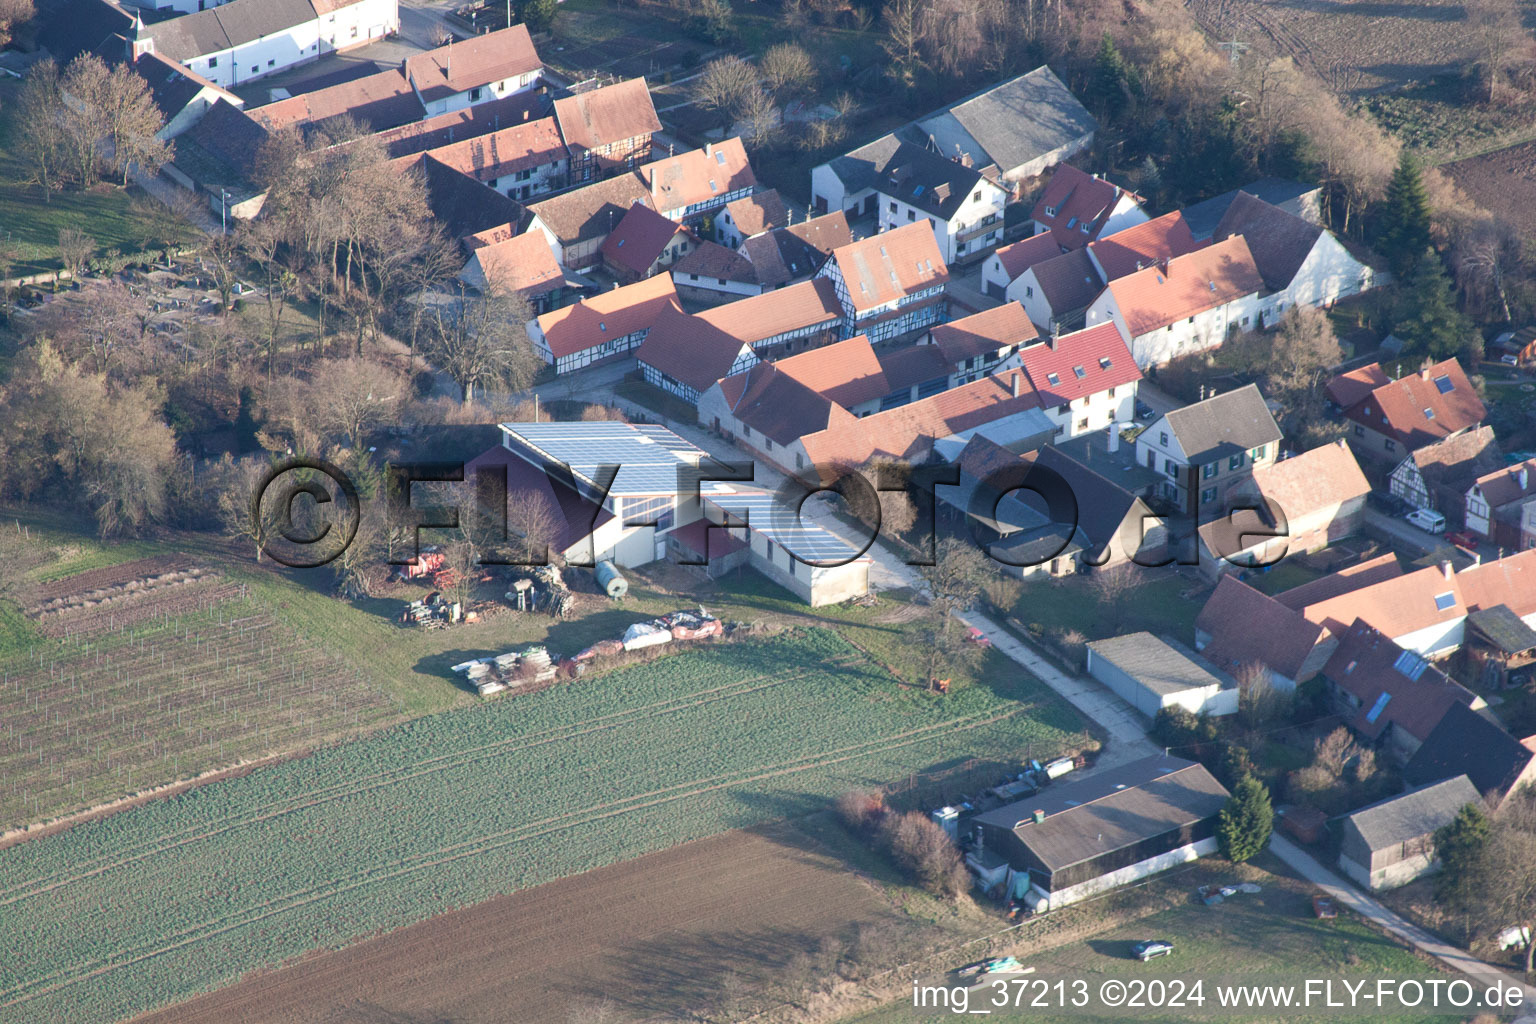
<point x="846" y="372"/>
<point x="457" y="125"/>
<point x="771" y="314"/>
<point x="1393" y="687"/>
<point x="518" y="148"/>
<point x="1248" y="626"/>
<point x="602" y="117"/>
<point x="779" y="407"/>
<point x="592" y="210"/>
<point x="477" y="61"/>
<point x="614" y="314"/>
<point x="1078" y="199"/>
<point x="1422" y="407"/>
<point x="382" y="101"/>
<point x="639" y="239"/>
<point x="490" y="236"/>
<point x="1510" y="580"/>
<point x="909" y="429"/>
<point x="1503" y="487"/>
<point x="522" y="264"/>
<point x="759" y="212"/>
<point x="882" y="268"/>
<point x="985" y="333"/>
<point x="1020" y="256"/>
<point x="1367" y="573"/>
<point x="689" y="349"/>
<point x="1397" y="606"/>
<point x="1136" y="248"/>
<point x="1153" y="298"/>
<point x="698" y="175"/>
<point x="1348" y="388"/>
<point x="1082" y="363"/>
<point x="1315" y="480"/>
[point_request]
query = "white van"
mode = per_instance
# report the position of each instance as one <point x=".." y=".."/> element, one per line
<point x="1427" y="519"/>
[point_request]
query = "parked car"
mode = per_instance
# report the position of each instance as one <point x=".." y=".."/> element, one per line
<point x="1150" y="948"/>
<point x="1143" y="410"/>
<point x="1388" y="503"/>
<point x="1428" y="520"/>
<point x="1323" y="906"/>
<point x="1462" y="539"/>
<point x="1510" y="360"/>
<point x="977" y="637"/>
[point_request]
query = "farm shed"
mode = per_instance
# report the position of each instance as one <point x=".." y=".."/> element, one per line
<point x="1077" y="840"/>
<point x="1151" y="673"/>
<point x="1392" y="842"/>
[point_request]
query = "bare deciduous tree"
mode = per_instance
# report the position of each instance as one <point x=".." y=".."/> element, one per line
<point x="75" y="250"/>
<point x="12" y="14"/>
<point x="482" y="343"/>
<point x="761" y="120"/>
<point x="1497" y="37"/>
<point x="725" y="86"/>
<point x="39" y="136"/>
<point x="787" y="69"/>
<point x="903" y="40"/>
<point x="351" y="396"/>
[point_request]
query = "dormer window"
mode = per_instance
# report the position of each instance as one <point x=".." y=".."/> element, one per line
<point x="1104" y="363"/>
<point x="1050" y="211"/>
<point x="1053" y="379"/>
<point x="1429" y="414"/>
<point x="1080" y="372"/>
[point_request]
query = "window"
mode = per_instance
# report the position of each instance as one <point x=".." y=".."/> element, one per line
<point x="893" y="207"/>
<point x="1235" y="462"/>
<point x="746" y="431"/>
<point x="1083" y="227"/>
<point x="1359" y="430"/>
<point x="1191" y="319"/>
<point x="1444" y="601"/>
<point x="1052" y="379"/>
<point x="1079" y="372"/>
<point x="1209" y="470"/>
<point x="1029" y="291"/>
<point x="1443" y="385"/>
<point x="255" y="69"/>
<point x="768" y="444"/>
<point x="799" y="461"/>
<point x="1162" y="438"/>
<point x="354" y="31"/>
<point x="721" y="280"/>
<point x="976" y="195"/>
<point x="1064" y="408"/>
<point x="1208" y="495"/>
<point x="911" y="216"/>
<point x="272" y="63"/>
<point x="1391" y="445"/>
<point x="1111" y="392"/>
<point x="1429" y="414"/>
<point x="213" y="62"/>
<point x="474" y="94"/>
<point x="1258" y="453"/>
<point x="1050" y="211"/>
<point x="1082" y="424"/>
<point x="1170" y="468"/>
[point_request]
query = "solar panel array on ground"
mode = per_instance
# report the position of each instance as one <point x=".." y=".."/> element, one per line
<point x="783" y="526"/>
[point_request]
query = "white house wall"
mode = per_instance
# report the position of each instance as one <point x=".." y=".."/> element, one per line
<point x="1127" y="875"/>
<point x="1200" y="333"/>
<point x="1433" y="641"/>
<point x="1126" y="214"/>
<point x="1098" y="409"/>
<point x="1328" y="274"/>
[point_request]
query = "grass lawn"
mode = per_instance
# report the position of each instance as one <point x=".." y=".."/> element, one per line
<point x="659" y="401"/>
<point x="1158" y="605"/>
<point x="1288" y="574"/>
<point x="448" y="810"/>
<point x="1271" y="934"/>
<point x="34" y="224"/>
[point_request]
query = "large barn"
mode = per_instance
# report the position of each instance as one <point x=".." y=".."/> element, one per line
<point x="1077" y="840"/>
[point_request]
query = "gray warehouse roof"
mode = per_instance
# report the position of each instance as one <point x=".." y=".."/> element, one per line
<point x="1160" y="665"/>
<point x="1411" y="815"/>
<point x="1116" y="808"/>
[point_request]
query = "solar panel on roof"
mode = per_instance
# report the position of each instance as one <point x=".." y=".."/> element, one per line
<point x="1444" y="384"/>
<point x="762" y="512"/>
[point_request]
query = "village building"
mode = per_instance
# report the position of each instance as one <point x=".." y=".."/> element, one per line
<point x="215" y="159"/>
<point x="1240" y="627"/>
<point x="475" y="70"/>
<point x="1086" y="380"/>
<point x="690" y="186"/>
<point x="644" y="244"/>
<point x="1010" y="133"/>
<point x="1501" y="648"/>
<point x="1389" y="696"/>
<point x="1497" y="502"/>
<point x="1389" y="419"/>
<point x="1136" y="248"/>
<point x="686" y="355"/>
<point x="1191" y="303"/>
<point x="455" y="126"/>
<point x="1007" y="264"/>
<point x="244" y="40"/>
<point x="784" y="256"/>
<point x="1076" y="208"/>
<point x="607" y="129"/>
<point x="1151" y="673"/>
<point x="607" y="326"/>
<point x="1302" y="263"/>
<point x="1206" y="449"/>
<point x="891" y="284"/>
<point x="712" y="273"/>
<point x="1392" y="842"/>
<point x="517" y="265"/>
<point x="794" y="319"/>
<point x="181" y="95"/>
<point x="523" y="161"/>
<point x="1473" y="744"/>
<point x="749" y="217"/>
<point x="975" y="345"/>
<point x="577" y="222"/>
<point x="1076" y="840"/>
<point x="1057" y="292"/>
<point x="1439" y="475"/>
<point x="1294" y="197"/>
<point x="965" y="209"/>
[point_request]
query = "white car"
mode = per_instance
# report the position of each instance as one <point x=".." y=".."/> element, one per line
<point x="1428" y="520"/>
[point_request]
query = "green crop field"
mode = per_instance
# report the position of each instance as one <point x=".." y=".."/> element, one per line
<point x="178" y="896"/>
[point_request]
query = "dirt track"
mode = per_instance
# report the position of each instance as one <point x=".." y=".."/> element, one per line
<point x="653" y="935"/>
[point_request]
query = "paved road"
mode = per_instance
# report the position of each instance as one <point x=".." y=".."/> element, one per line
<point x="1347" y="895"/>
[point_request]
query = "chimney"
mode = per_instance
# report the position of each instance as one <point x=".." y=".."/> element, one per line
<point x="1202" y="392"/>
<point x="1016" y="376"/>
<point x="1447" y="570"/>
<point x="526" y="112"/>
<point x="1055" y="334"/>
<point x="1113" y="444"/>
<point x="1525" y="478"/>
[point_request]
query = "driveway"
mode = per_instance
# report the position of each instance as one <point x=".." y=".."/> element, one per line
<point x="1484" y="974"/>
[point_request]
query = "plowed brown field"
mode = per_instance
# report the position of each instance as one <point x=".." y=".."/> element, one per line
<point x="654" y="935"/>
